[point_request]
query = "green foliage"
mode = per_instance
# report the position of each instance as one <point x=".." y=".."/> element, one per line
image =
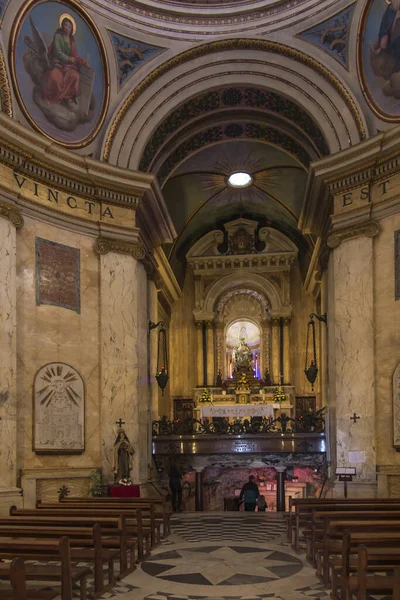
<point x="97" y="488"/>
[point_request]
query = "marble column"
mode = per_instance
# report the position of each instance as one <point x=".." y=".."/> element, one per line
<point x="8" y="365"/>
<point x="265" y="354"/>
<point x="280" y="489"/>
<point x="124" y="385"/>
<point x="220" y="358"/>
<point x="153" y="347"/>
<point x="286" y="351"/>
<point x="351" y="368"/>
<point x="199" y="344"/>
<point x="153" y="410"/>
<point x="275" y="349"/>
<point x="199" y="501"/>
<point x="210" y="354"/>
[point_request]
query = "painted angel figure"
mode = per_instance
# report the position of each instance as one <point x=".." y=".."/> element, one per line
<point x="63" y="79"/>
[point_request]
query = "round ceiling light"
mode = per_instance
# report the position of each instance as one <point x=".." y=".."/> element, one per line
<point x="240" y="179"/>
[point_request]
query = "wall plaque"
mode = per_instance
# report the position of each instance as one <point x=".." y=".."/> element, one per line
<point x="58" y="410"/>
<point x="57" y="275"/>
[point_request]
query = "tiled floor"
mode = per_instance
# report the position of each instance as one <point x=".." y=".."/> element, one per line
<point x="223" y="556"/>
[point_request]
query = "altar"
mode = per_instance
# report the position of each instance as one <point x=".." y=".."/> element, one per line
<point x="237" y="411"/>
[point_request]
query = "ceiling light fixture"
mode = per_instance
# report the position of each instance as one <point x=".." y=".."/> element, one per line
<point x="240" y="179"/>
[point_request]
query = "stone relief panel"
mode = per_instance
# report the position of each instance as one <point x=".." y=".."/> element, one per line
<point x="396" y="407"/>
<point x="58" y="410"/>
<point x="47" y="489"/>
<point x="394" y="486"/>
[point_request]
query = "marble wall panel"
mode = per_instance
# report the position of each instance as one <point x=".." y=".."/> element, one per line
<point x="387" y="337"/>
<point x="303" y="305"/>
<point x="183" y="355"/>
<point x="8" y="347"/>
<point x="352" y="325"/>
<point x="124" y="333"/>
<point x="49" y="333"/>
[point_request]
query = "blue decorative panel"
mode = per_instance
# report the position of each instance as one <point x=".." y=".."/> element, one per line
<point x="332" y="35"/>
<point x="130" y="55"/>
<point x="397" y="264"/>
<point x="3" y="6"/>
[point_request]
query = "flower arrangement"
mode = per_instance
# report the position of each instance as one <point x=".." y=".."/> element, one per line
<point x="279" y="395"/>
<point x="261" y="479"/>
<point x="206" y="396"/>
<point x="125" y="481"/>
<point x="243" y="382"/>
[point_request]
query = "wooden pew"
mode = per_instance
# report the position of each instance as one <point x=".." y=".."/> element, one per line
<point x="133" y="525"/>
<point x="160" y="506"/>
<point x="147" y="513"/>
<point x="375" y="532"/>
<point x="314" y="535"/>
<point x="383" y="558"/>
<point x="79" y="537"/>
<point x="15" y="572"/>
<point x="115" y="527"/>
<point x="47" y="549"/>
<point x="361" y="582"/>
<point x="303" y="511"/>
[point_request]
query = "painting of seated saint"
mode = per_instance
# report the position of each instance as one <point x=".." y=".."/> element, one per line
<point x="379" y="57"/>
<point x="60" y="72"/>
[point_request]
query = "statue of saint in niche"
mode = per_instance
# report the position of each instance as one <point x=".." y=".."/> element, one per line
<point x="242" y="355"/>
<point x="123" y="457"/>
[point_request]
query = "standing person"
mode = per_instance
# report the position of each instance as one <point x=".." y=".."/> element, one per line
<point x="249" y="494"/>
<point x="176" y="487"/>
<point x="261" y="503"/>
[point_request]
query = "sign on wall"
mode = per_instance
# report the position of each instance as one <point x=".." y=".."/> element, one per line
<point x="58" y="410"/>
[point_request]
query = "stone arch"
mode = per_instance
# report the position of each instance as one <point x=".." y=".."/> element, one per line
<point x="226" y="62"/>
<point x="247" y="280"/>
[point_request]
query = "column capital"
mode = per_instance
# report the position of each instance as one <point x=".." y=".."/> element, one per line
<point x="198" y="324"/>
<point x="280" y="469"/>
<point x="104" y="245"/>
<point x="369" y="228"/>
<point x="210" y="324"/>
<point x="12" y="214"/>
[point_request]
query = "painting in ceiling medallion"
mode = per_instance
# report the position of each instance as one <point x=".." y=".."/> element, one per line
<point x="332" y="35"/>
<point x="59" y="71"/>
<point x="378" y="57"/>
<point x="130" y="55"/>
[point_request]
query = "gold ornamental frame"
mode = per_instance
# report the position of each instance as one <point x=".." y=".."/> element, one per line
<point x="384" y="116"/>
<point x="20" y="19"/>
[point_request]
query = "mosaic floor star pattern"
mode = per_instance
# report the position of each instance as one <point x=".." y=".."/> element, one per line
<point x="222" y="556"/>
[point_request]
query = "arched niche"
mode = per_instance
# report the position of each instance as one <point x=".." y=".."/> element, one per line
<point x="251" y="331"/>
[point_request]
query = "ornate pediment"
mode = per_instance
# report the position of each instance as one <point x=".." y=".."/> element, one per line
<point x="242" y="243"/>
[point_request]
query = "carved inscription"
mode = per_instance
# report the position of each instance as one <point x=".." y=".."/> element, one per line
<point x="57" y="275"/>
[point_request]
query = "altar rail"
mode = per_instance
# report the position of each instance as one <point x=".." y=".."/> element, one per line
<point x="255" y="425"/>
<point x="257" y="435"/>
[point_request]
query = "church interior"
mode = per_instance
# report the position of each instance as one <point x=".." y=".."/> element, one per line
<point x="200" y="257"/>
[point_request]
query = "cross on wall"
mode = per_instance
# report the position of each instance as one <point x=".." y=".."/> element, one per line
<point x="120" y="422"/>
<point x="355" y="418"/>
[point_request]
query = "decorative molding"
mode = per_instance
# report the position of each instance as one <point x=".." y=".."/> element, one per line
<point x="369" y="229"/>
<point x="5" y="91"/>
<point x="226" y="45"/>
<point x="104" y="245"/>
<point x="236" y="98"/>
<point x="12" y="214"/>
<point x="397" y="264"/>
